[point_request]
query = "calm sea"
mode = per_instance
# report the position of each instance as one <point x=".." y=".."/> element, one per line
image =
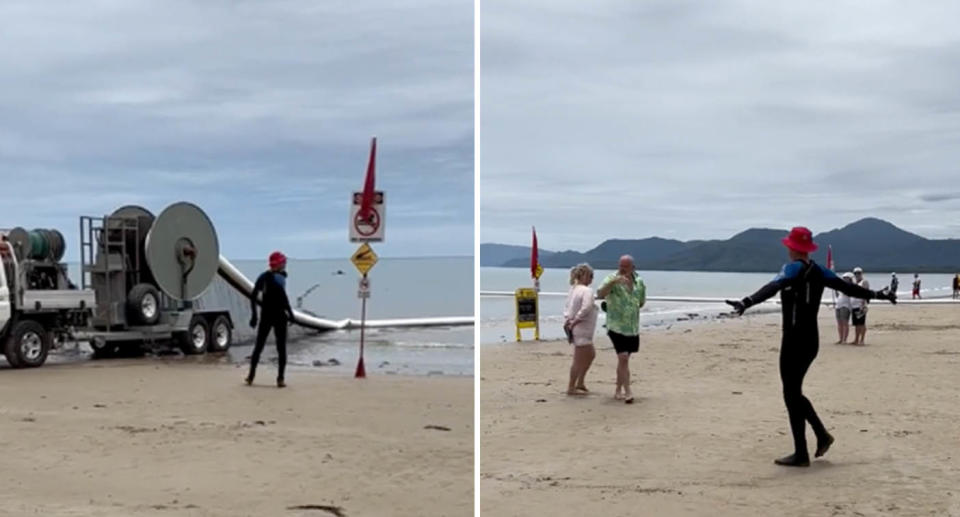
<point x="497" y="313"/>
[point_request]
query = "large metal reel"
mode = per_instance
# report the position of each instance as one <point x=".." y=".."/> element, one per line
<point x="183" y="251"/>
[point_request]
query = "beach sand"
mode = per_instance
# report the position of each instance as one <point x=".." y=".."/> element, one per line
<point x="170" y="437"/>
<point x="710" y="419"/>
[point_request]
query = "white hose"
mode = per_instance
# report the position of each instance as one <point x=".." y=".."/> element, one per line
<point x="234" y="277"/>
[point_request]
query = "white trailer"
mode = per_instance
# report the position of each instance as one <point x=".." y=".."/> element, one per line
<point x="139" y="277"/>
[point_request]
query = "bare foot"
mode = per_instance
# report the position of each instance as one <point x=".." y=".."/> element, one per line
<point x="618" y="396"/>
<point x="583" y="389"/>
<point x="575" y="393"/>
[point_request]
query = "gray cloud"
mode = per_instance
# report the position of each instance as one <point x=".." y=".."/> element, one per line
<point x="261" y="112"/>
<point x="698" y="120"/>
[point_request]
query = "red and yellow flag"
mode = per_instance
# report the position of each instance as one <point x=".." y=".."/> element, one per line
<point x="535" y="269"/>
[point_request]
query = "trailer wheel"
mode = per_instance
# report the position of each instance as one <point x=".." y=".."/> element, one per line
<point x="103" y="349"/>
<point x="221" y="334"/>
<point x="196" y="339"/>
<point x="143" y="303"/>
<point x="27" y="345"/>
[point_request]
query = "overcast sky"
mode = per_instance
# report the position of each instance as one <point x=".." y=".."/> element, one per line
<point x="259" y="112"/>
<point x="696" y="120"/>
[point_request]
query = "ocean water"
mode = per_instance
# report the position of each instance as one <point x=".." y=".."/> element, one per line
<point x="496" y="316"/>
<point x="400" y="288"/>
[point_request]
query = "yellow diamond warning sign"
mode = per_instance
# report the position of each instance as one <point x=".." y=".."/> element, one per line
<point x="364" y="259"/>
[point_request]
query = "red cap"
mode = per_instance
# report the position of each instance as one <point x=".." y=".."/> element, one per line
<point x="277" y="259"/>
<point x="800" y="239"/>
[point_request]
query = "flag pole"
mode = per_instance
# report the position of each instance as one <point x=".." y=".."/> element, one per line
<point x="534" y="269"/>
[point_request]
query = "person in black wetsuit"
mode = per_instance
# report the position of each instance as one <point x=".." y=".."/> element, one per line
<point x="276" y="314"/>
<point x="801" y="284"/>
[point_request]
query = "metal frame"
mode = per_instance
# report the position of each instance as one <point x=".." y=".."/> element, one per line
<point x="104" y="236"/>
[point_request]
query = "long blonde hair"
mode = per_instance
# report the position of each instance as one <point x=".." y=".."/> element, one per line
<point x="579" y="272"/>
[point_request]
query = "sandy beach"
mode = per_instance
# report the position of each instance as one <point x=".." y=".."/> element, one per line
<point x="165" y="437"/>
<point x="710" y="419"/>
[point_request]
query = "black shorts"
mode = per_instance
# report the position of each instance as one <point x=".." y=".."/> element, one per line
<point x="624" y="344"/>
<point x="859" y="317"/>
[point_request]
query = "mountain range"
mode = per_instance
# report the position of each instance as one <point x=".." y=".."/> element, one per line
<point x="873" y="244"/>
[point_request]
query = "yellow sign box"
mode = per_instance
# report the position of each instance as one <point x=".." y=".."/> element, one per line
<point x="364" y="259"/>
<point x="527" y="311"/>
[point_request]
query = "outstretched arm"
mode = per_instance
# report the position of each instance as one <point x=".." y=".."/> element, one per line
<point x="832" y="281"/>
<point x="788" y="273"/>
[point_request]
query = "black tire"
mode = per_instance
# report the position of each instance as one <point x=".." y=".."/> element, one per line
<point x="221" y="334"/>
<point x="143" y="304"/>
<point x="196" y="339"/>
<point x="27" y="345"/>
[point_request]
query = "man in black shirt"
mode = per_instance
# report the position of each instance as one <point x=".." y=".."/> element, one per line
<point x="276" y="314"/>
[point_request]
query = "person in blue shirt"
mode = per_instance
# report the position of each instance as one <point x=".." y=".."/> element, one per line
<point x="275" y="314"/>
<point x="801" y="284"/>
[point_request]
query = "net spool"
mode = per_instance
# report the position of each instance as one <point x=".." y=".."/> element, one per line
<point x="37" y="244"/>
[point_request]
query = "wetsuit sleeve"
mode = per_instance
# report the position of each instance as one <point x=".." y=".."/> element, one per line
<point x="257" y="288"/>
<point x="786" y="275"/>
<point x="286" y="304"/>
<point x="831" y="280"/>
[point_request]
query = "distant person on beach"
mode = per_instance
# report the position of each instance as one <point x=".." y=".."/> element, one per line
<point x="801" y="284"/>
<point x="894" y="282"/>
<point x="916" y="286"/>
<point x="858" y="309"/>
<point x="843" y="312"/>
<point x="625" y="293"/>
<point x="956" y="286"/>
<point x="580" y="323"/>
<point x="276" y="314"/>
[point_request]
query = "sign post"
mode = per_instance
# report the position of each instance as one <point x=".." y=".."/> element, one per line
<point x="363" y="259"/>
<point x="367" y="215"/>
<point x="527" y="310"/>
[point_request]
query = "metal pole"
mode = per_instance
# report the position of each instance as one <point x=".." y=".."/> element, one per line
<point x="536" y="308"/>
<point x="361" y="372"/>
<point x="363" y="321"/>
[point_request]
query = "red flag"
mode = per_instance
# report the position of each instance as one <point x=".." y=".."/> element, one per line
<point x="829" y="257"/>
<point x="366" y="202"/>
<point x="534" y="258"/>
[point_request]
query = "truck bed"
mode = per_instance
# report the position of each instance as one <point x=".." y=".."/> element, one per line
<point x="57" y="299"/>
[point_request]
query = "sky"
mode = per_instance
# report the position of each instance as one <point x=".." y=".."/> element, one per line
<point x="697" y="120"/>
<point x="261" y="113"/>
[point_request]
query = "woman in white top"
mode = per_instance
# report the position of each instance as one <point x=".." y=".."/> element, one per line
<point x="580" y="322"/>
<point x="844" y="305"/>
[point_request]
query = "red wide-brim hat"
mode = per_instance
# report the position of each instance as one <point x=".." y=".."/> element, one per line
<point x="800" y="239"/>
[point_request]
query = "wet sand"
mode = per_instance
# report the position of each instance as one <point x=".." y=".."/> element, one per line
<point x="167" y="437"/>
<point x="709" y="420"/>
